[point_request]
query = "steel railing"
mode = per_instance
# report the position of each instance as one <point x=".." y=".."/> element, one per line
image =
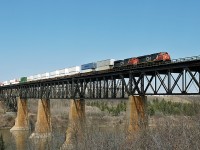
<point x="186" y="59"/>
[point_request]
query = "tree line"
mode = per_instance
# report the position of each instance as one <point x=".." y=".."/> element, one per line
<point x="172" y="108"/>
<point x="154" y="107"/>
<point x="105" y="106"/>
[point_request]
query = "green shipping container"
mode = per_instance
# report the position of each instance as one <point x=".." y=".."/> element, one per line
<point x="23" y="79"/>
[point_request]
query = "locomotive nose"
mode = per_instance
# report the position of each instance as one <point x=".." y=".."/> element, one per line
<point x="166" y="57"/>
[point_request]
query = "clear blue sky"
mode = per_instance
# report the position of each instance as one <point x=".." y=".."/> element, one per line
<point x="44" y="35"/>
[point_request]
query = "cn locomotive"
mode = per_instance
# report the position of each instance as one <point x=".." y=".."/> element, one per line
<point x="156" y="57"/>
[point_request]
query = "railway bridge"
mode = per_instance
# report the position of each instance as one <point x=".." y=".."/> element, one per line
<point x="178" y="77"/>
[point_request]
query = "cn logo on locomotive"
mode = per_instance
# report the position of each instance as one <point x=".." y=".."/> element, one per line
<point x="148" y="58"/>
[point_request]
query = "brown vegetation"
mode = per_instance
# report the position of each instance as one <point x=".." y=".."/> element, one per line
<point x="107" y="131"/>
<point x="169" y="134"/>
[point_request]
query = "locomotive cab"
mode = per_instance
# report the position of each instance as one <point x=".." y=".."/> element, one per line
<point x="163" y="56"/>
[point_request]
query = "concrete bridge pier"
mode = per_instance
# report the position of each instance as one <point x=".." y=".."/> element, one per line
<point x="21" y="139"/>
<point x="43" y="127"/>
<point x="21" y="121"/>
<point x="75" y="130"/>
<point x="2" y="107"/>
<point x="136" y="112"/>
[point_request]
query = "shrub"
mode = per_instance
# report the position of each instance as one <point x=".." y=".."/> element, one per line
<point x="172" y="108"/>
<point x="113" y="110"/>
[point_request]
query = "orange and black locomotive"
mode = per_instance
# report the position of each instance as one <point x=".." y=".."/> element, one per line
<point x="156" y="57"/>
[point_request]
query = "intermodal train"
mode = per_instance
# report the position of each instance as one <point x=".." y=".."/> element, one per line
<point x="94" y="66"/>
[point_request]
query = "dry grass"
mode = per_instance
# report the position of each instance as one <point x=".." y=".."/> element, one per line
<point x="106" y="132"/>
<point x="170" y="134"/>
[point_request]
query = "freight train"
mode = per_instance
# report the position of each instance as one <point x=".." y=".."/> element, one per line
<point x="94" y="66"/>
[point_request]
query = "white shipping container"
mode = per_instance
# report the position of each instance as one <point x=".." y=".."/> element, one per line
<point x="63" y="72"/>
<point x="72" y="73"/>
<point x="54" y="74"/>
<point x="103" y="68"/>
<point x="108" y="62"/>
<point x="37" y="77"/>
<point x="6" y="83"/>
<point x="75" y="69"/>
<point x="30" y="78"/>
<point x="14" y="81"/>
<point x="87" y="70"/>
<point x="45" y="75"/>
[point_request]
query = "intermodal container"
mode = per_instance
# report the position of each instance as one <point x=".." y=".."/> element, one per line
<point x="102" y="63"/>
<point x="87" y="70"/>
<point x="6" y="83"/>
<point x="14" y="81"/>
<point x="88" y="66"/>
<point x="103" y="68"/>
<point x="118" y="63"/>
<point x="54" y="74"/>
<point x="63" y="72"/>
<point x="73" y="70"/>
<point x="30" y="78"/>
<point x="37" y="77"/>
<point x="45" y="75"/>
<point x="23" y="79"/>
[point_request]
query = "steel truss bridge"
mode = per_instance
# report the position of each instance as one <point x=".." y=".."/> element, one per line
<point x="178" y="77"/>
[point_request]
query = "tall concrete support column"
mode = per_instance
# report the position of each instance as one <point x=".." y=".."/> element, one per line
<point x="21" y="139"/>
<point x="21" y="122"/>
<point x="2" y="107"/>
<point x="43" y="126"/>
<point x="76" y="125"/>
<point x="137" y="116"/>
